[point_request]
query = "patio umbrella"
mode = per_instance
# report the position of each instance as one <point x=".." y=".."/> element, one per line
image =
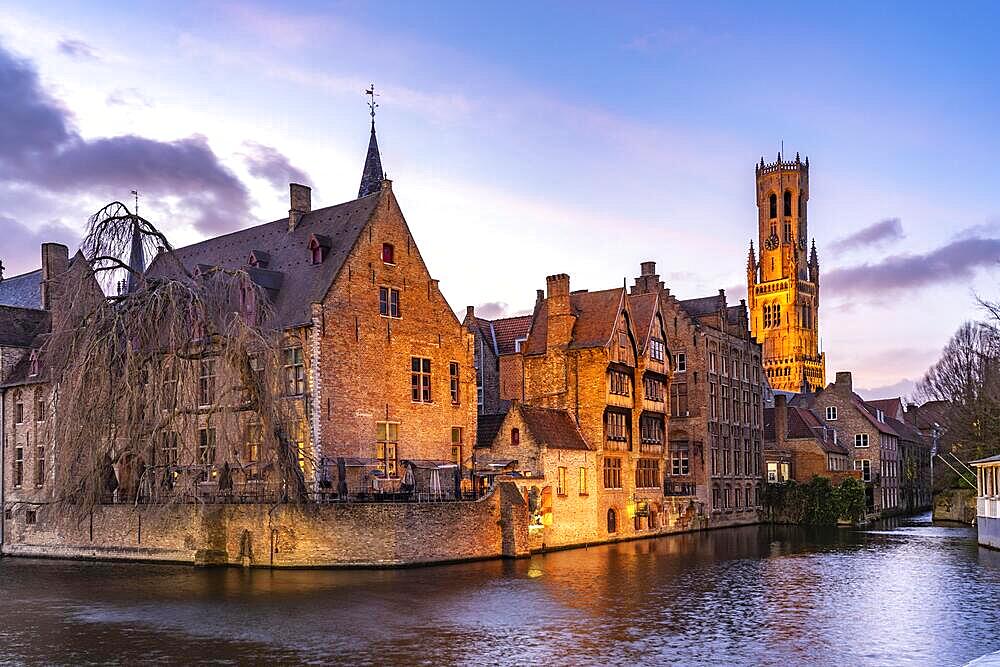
<point x="436" y="482"/>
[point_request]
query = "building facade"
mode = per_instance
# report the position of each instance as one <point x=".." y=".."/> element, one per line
<point x="494" y="338"/>
<point x="783" y="284"/>
<point x="799" y="445"/>
<point x="602" y="357"/>
<point x="715" y="402"/>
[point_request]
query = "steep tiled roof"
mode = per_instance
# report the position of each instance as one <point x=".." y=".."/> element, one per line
<point x="925" y="416"/>
<point x="892" y="407"/>
<point x="23" y="291"/>
<point x="705" y="305"/>
<point x="300" y="282"/>
<point x="487" y="427"/>
<point x="595" y="312"/>
<point x="20" y="326"/>
<point x="803" y="423"/>
<point x="907" y="431"/>
<point x="552" y="428"/>
<point x="643" y="307"/>
<point x="509" y="329"/>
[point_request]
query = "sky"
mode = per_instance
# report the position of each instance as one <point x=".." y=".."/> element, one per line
<point x="533" y="139"/>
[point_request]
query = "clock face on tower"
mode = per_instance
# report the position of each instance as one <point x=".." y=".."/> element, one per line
<point x="772" y="242"/>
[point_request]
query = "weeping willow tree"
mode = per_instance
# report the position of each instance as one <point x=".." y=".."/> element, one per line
<point x="167" y="392"/>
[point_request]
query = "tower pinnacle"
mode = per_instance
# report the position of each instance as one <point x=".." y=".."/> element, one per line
<point x="372" y="174"/>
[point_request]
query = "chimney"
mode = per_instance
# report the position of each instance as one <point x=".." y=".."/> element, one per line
<point x="780" y="418"/>
<point x="300" y="203"/>
<point x="55" y="261"/>
<point x="560" y="315"/>
<point x="539" y="295"/>
<point x="844" y="381"/>
<point x="648" y="280"/>
<point x="647" y="268"/>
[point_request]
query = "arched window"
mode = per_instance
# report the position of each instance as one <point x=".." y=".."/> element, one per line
<point x="799" y="200"/>
<point x="787" y="202"/>
<point x="772" y="206"/>
<point x="515" y="436"/>
<point x="776" y="315"/>
<point x="388" y="253"/>
<point x="612" y="521"/>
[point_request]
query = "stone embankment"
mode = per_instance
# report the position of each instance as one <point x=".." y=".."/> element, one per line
<point x="955" y="505"/>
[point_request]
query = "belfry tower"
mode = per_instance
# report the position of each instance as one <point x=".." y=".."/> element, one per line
<point x="783" y="286"/>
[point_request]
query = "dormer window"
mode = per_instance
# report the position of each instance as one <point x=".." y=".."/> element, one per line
<point x="319" y="246"/>
<point x="258" y="259"/>
<point x="388" y="253"/>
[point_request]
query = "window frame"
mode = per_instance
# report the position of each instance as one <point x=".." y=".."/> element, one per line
<point x="389" y="299"/>
<point x="421" y="379"/>
<point x="861" y="441"/>
<point x="454" y="384"/>
<point x="387" y="448"/>
<point x="831" y="413"/>
<point x="612" y="467"/>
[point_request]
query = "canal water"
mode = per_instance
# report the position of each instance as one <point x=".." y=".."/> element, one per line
<point x="908" y="592"/>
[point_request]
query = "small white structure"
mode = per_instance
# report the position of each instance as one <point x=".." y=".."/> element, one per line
<point x="988" y="500"/>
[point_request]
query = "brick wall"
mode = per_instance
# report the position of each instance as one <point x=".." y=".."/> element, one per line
<point x="366" y="358"/>
<point x="288" y="536"/>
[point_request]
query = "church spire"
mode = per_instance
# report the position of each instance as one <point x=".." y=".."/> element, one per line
<point x="372" y="175"/>
<point x="136" y="256"/>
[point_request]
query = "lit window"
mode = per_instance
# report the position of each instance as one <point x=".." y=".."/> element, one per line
<point x="456" y="445"/>
<point x="386" y="447"/>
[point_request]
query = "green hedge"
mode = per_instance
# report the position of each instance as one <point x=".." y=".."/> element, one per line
<point x="815" y="503"/>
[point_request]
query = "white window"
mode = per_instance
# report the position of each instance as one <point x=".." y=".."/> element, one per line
<point x="834" y="435"/>
<point x="681" y="364"/>
<point x="518" y="343"/>
<point x="656" y="349"/>
<point x="861" y="440"/>
<point x="880" y="415"/>
<point x="831" y="413"/>
<point x="865" y="466"/>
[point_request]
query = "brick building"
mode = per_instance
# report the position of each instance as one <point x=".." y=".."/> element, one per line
<point x="494" y="338"/>
<point x="378" y="366"/>
<point x="602" y="357"/>
<point x="915" y="451"/>
<point x="31" y="304"/>
<point x="715" y="402"/>
<point x="555" y="470"/>
<point x="783" y="286"/>
<point x="799" y="445"/>
<point x="869" y="435"/>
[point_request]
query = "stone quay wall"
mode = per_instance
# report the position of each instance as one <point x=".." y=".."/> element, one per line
<point x="955" y="505"/>
<point x="340" y="535"/>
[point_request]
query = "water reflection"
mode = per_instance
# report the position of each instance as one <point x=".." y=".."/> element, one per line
<point x="901" y="593"/>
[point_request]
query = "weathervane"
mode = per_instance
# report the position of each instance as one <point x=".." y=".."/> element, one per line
<point x="372" y="104"/>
